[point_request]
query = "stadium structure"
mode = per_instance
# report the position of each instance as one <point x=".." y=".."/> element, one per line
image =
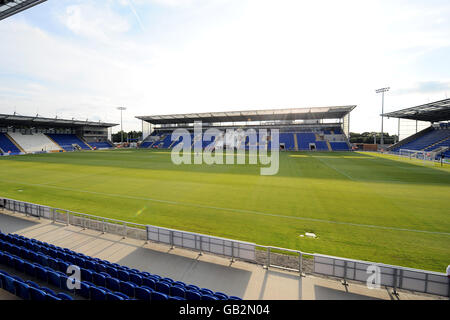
<point x="301" y="129"/>
<point x="430" y="143"/>
<point x="25" y="134"/>
<point x="12" y="7"/>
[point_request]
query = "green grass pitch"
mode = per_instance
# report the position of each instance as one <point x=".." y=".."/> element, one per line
<point x="365" y="206"/>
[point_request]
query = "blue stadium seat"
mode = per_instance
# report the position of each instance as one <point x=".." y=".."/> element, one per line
<point x="91" y="265"/>
<point x="99" y="279"/>
<point x="8" y="283"/>
<point x="221" y="295"/>
<point x="206" y="291"/>
<point x="37" y="294"/>
<point x="136" y="279"/>
<point x="123" y="275"/>
<point x="23" y="290"/>
<point x="193" y="295"/>
<point x="127" y="288"/>
<point x="86" y="275"/>
<point x="84" y="290"/>
<point x="32" y="284"/>
<point x="178" y="291"/>
<point x="64" y="296"/>
<point x="80" y="262"/>
<point x="148" y="282"/>
<point x="112" y="272"/>
<point x="113" y="297"/>
<point x="63" y="266"/>
<point x="208" y="297"/>
<point x="123" y="295"/>
<point x="53" y="263"/>
<point x="98" y="294"/>
<point x="54" y="279"/>
<point x="41" y="273"/>
<point x="143" y="294"/>
<point x="162" y="287"/>
<point x="192" y="287"/>
<point x="18" y="264"/>
<point x="50" y="297"/>
<point x="113" y="284"/>
<point x="158" y="296"/>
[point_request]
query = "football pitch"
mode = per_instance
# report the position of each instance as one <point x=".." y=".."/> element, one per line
<point x="360" y="205"/>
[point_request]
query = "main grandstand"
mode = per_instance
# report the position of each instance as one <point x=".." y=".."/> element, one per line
<point x="431" y="143"/>
<point x="25" y="134"/>
<point x="301" y="129"/>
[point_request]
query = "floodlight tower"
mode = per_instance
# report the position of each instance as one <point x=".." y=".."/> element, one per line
<point x="121" y="123"/>
<point x="382" y="91"/>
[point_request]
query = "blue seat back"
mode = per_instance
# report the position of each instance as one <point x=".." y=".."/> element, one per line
<point x="136" y="279"/>
<point x="23" y="290"/>
<point x="148" y="282"/>
<point x="162" y="287"/>
<point x="99" y="279"/>
<point x="97" y="294"/>
<point x="37" y="295"/>
<point x="177" y="291"/>
<point x="113" y="284"/>
<point x="113" y="297"/>
<point x="127" y="288"/>
<point x="143" y="293"/>
<point x="193" y="295"/>
<point x="158" y="296"/>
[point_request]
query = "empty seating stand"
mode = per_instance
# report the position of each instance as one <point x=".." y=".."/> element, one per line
<point x="100" y="279"/>
<point x="428" y="141"/>
<point x="67" y="141"/>
<point x="36" y="142"/>
<point x="340" y="146"/>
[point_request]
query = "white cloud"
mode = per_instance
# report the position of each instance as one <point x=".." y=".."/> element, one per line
<point x="96" y="21"/>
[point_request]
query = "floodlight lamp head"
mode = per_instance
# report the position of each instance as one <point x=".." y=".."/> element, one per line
<point x="383" y="90"/>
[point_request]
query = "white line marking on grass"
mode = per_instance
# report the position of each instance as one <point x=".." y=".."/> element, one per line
<point x="337" y="170"/>
<point x="230" y="209"/>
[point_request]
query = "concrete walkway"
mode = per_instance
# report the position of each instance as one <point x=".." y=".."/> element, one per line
<point x="242" y="279"/>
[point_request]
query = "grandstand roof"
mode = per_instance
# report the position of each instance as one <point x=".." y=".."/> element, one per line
<point x="11" y="7"/>
<point x="433" y="112"/>
<point x="6" y="119"/>
<point x="255" y="115"/>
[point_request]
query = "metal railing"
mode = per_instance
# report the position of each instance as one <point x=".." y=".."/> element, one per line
<point x="396" y="277"/>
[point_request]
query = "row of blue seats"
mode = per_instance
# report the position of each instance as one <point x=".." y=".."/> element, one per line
<point x="339" y="146"/>
<point x="103" y="273"/>
<point x="119" y="290"/>
<point x="57" y="279"/>
<point x="66" y="141"/>
<point x="29" y="290"/>
<point x="425" y="140"/>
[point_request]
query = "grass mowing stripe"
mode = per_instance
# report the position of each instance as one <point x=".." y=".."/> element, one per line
<point x="229" y="209"/>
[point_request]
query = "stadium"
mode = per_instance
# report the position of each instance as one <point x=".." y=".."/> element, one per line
<point x="136" y="225"/>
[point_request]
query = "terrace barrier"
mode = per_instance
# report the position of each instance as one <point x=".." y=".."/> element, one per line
<point x="394" y="277"/>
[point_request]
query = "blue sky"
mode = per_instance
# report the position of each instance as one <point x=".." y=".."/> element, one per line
<point x="82" y="59"/>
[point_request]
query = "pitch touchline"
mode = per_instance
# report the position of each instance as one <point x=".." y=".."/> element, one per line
<point x="229" y="209"/>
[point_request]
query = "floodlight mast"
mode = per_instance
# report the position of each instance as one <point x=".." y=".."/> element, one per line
<point x="382" y="91"/>
<point x="121" y="123"/>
